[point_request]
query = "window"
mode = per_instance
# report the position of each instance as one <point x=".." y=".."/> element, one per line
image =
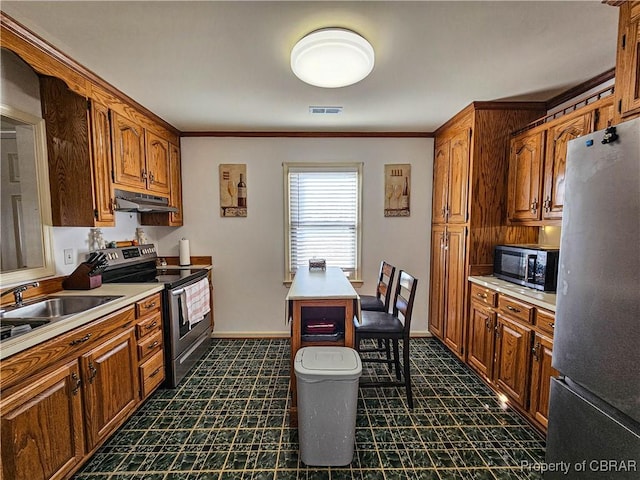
<point x="322" y="216"/>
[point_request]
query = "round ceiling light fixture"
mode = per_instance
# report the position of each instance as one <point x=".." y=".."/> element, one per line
<point x="332" y="58"/>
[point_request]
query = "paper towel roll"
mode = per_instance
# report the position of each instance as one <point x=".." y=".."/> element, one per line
<point x="185" y="255"/>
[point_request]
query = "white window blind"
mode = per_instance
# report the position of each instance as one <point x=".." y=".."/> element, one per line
<point x="323" y="211"/>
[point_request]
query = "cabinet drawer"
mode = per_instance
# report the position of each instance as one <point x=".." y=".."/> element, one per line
<point x="148" y="305"/>
<point x="515" y="309"/>
<point x="152" y="373"/>
<point x="150" y="345"/>
<point x="545" y="321"/>
<point x="149" y="325"/>
<point x="484" y="295"/>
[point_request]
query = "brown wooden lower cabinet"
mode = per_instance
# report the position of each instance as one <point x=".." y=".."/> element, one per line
<point x="509" y="343"/>
<point x="110" y="385"/>
<point x="43" y="425"/>
<point x="541" y="374"/>
<point x="63" y="398"/>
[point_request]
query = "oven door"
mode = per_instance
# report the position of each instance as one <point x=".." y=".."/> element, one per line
<point x="515" y="265"/>
<point x="181" y="334"/>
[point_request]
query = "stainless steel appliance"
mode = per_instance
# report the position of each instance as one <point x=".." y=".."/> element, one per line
<point x="594" y="417"/>
<point x="184" y="341"/>
<point x="530" y="265"/>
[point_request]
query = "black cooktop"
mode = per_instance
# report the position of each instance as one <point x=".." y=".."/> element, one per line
<point x="171" y="277"/>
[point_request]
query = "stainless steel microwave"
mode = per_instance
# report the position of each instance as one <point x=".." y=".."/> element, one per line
<point x="533" y="266"/>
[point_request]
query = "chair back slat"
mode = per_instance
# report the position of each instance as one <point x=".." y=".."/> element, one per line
<point x="385" y="281"/>
<point x="404" y="298"/>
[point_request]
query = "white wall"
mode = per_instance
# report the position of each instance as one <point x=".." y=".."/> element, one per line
<point x="248" y="253"/>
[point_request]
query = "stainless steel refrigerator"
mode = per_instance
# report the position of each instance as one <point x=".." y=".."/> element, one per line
<point x="594" y="413"/>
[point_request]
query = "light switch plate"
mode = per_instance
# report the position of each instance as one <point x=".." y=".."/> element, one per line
<point x="68" y="256"/>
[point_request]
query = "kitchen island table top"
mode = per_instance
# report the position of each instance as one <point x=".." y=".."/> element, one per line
<point x="321" y="284"/>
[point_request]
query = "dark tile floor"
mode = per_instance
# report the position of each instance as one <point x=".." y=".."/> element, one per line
<point x="228" y="420"/>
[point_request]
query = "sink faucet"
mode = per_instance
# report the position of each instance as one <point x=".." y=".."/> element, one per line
<point x="17" y="292"/>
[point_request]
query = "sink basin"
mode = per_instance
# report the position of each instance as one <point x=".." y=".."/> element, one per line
<point x="57" y="307"/>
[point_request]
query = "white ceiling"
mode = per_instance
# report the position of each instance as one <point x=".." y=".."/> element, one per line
<point x="210" y="66"/>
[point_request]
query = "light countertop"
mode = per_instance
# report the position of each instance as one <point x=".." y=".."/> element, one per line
<point x="130" y="293"/>
<point x="320" y="284"/>
<point x="540" y="299"/>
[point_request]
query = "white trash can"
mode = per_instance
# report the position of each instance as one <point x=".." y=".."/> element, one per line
<point x="327" y="382"/>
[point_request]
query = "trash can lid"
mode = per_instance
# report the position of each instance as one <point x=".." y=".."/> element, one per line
<point x="328" y="362"/>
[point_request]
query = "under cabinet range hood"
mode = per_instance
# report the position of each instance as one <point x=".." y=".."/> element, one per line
<point x="141" y="202"/>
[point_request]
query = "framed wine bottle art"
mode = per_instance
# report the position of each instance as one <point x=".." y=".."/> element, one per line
<point x="397" y="190"/>
<point x="233" y="189"/>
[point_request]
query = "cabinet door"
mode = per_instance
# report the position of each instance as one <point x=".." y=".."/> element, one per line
<point x="110" y="376"/>
<point x="455" y="282"/>
<point x="440" y="182"/>
<point x="68" y="154"/>
<point x="128" y="152"/>
<point x="513" y="351"/>
<point x="175" y="197"/>
<point x="102" y="164"/>
<point x="436" y="291"/>
<point x="482" y="322"/>
<point x="541" y="374"/>
<point x="525" y="177"/>
<point x="458" y="177"/>
<point x="555" y="162"/>
<point x="157" y="163"/>
<point x="628" y="60"/>
<point x="42" y="426"/>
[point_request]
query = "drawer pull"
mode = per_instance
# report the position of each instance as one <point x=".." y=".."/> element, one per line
<point x="156" y="371"/>
<point x="150" y="305"/>
<point x="153" y="345"/>
<point x="552" y="324"/>
<point x="513" y="309"/>
<point x="78" y="341"/>
<point x="482" y="295"/>
<point x="153" y="325"/>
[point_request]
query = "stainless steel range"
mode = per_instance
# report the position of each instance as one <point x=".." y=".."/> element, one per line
<point x="185" y="339"/>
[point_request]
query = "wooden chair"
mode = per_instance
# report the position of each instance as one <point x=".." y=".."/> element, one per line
<point x="393" y="327"/>
<point x="380" y="301"/>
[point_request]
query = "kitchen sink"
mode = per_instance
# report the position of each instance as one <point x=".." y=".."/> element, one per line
<point x="56" y="307"/>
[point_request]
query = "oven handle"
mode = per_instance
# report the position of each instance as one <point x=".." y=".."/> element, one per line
<point x="177" y="292"/>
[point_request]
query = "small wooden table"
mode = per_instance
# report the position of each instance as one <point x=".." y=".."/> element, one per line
<point x="325" y="295"/>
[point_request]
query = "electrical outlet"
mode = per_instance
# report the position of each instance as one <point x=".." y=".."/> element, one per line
<point x="68" y="256"/>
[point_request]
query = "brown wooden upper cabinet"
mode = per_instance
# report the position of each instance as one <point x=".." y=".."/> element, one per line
<point x="628" y="62"/>
<point x="451" y="178"/>
<point x="537" y="163"/>
<point x="79" y="156"/>
<point x="140" y="158"/>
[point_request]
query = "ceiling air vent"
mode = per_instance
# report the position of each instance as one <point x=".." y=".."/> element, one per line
<point x="325" y="110"/>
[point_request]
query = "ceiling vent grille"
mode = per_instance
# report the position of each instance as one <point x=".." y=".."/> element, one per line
<point x="325" y="110"/>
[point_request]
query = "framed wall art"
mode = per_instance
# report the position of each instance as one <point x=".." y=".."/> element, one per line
<point x="233" y="189"/>
<point x="397" y="190"/>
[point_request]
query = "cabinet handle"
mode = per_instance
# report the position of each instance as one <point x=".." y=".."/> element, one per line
<point x="76" y="379"/>
<point x="150" y="305"/>
<point x="497" y="330"/>
<point x="151" y="177"/>
<point x="93" y="371"/>
<point x="144" y="174"/>
<point x="552" y="324"/>
<point x="534" y="206"/>
<point x="535" y="351"/>
<point x="78" y="341"/>
<point x="482" y="295"/>
<point x="547" y="204"/>
<point x="513" y="309"/>
<point x="153" y="345"/>
<point x="153" y="325"/>
<point x="156" y="371"/>
<point x="487" y="324"/>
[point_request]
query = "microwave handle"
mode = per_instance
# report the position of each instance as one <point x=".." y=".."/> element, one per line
<point x="531" y="262"/>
